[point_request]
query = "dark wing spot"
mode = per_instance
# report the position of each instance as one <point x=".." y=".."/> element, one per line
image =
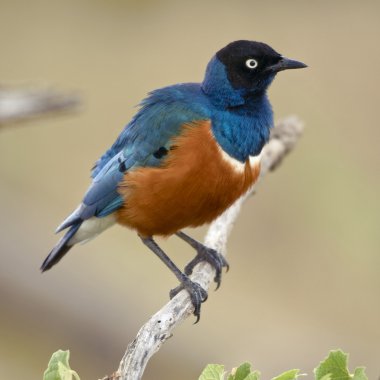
<point x="161" y="152"/>
<point x="122" y="167"/>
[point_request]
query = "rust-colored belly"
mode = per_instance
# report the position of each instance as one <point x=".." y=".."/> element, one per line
<point x="194" y="186"/>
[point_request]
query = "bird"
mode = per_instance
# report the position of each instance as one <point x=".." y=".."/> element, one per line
<point x="190" y="151"/>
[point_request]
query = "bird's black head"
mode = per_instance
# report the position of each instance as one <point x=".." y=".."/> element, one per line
<point x="251" y="64"/>
<point x="242" y="70"/>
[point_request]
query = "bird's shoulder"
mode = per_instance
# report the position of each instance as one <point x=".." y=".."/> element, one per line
<point x="144" y="142"/>
<point x="160" y="118"/>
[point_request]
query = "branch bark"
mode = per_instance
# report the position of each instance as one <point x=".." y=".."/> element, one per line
<point x="20" y="104"/>
<point x="160" y="326"/>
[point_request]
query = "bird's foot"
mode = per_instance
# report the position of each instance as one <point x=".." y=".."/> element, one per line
<point x="214" y="258"/>
<point x="196" y="292"/>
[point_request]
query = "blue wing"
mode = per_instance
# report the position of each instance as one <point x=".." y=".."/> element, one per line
<point x="160" y="118"/>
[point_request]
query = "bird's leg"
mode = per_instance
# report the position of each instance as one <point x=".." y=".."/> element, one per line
<point x="196" y="292"/>
<point x="214" y="258"/>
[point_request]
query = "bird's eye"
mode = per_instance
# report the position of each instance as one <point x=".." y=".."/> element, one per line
<point x="251" y="63"/>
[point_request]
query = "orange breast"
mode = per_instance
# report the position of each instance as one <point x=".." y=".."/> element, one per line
<point x="193" y="187"/>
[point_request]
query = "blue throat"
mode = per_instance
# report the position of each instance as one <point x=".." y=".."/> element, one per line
<point x="242" y="119"/>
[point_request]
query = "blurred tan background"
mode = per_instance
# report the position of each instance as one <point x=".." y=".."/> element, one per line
<point x="304" y="254"/>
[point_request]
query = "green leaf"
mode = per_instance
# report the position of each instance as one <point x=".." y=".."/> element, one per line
<point x="326" y="377"/>
<point x="334" y="367"/>
<point x="59" y="368"/>
<point x="288" y="375"/>
<point x="212" y="372"/>
<point x="359" y="374"/>
<point x="242" y="371"/>
<point x="255" y="375"/>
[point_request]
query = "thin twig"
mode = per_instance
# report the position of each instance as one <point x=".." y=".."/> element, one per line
<point x="20" y="104"/>
<point x="160" y="326"/>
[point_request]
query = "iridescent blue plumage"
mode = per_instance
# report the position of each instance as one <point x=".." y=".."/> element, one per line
<point x="232" y="98"/>
<point x="160" y="119"/>
<point x="241" y="121"/>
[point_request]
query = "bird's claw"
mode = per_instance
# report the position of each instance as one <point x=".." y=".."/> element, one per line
<point x="214" y="258"/>
<point x="196" y="292"/>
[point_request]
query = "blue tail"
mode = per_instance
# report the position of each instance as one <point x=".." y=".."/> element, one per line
<point x="61" y="248"/>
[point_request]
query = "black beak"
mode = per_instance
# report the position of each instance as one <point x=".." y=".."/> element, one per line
<point x="286" y="64"/>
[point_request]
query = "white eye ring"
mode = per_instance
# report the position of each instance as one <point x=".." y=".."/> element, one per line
<point x="251" y="63"/>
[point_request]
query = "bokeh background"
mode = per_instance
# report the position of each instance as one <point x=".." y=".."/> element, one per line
<point x="304" y="253"/>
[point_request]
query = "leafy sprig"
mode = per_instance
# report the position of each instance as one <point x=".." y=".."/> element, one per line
<point x="334" y="367"/>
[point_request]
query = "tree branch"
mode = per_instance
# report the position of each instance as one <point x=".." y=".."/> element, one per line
<point x="160" y="326"/>
<point x="19" y="104"/>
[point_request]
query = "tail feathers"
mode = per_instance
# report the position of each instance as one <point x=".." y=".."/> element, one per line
<point x="61" y="248"/>
<point x="72" y="219"/>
